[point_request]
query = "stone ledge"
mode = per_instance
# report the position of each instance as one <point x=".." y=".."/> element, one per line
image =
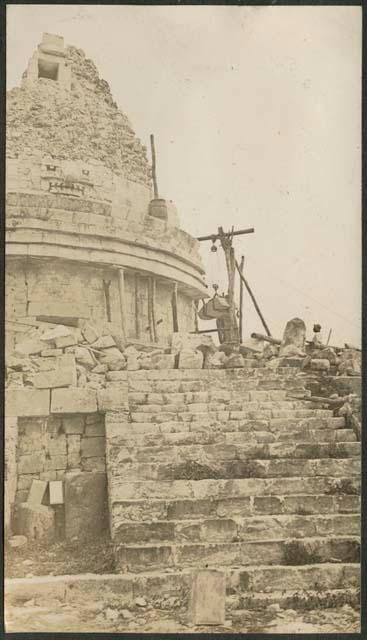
<point x="27" y="402"/>
<point x="73" y="400"/>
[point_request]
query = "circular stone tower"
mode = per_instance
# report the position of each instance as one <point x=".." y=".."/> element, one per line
<point x="83" y="241"/>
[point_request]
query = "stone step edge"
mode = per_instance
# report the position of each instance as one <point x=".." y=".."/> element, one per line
<point x="243" y="519"/>
<point x="149" y="545"/>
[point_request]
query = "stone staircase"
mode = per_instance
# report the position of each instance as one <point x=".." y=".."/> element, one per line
<point x="220" y="469"/>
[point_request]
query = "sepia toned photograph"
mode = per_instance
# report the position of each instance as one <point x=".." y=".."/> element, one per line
<point x="183" y="319"/>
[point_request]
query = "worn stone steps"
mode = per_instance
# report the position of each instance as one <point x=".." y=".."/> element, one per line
<point x="296" y="599"/>
<point x="214" y="452"/>
<point x="122" y="490"/>
<point x="201" y="413"/>
<point x="237" y="468"/>
<point x="238" y="529"/>
<point x="217" y="396"/>
<point x="130" y="438"/>
<point x="136" y="558"/>
<point x="191" y="509"/>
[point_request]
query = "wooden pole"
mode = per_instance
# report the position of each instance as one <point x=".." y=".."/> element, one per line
<point x="196" y="309"/>
<point x="253" y="300"/>
<point x="328" y="338"/>
<point x="241" y="299"/>
<point x="137" y="308"/>
<point x="121" y="284"/>
<point x="106" y="288"/>
<point x="174" y="309"/>
<point x="151" y="309"/>
<point x="217" y="236"/>
<point x="226" y="243"/>
<point x="154" y="170"/>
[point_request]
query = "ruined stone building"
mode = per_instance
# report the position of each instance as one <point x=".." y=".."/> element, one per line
<point x="189" y="458"/>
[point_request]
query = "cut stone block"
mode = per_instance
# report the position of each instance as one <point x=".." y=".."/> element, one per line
<point x="56" y="492"/>
<point x="37" y="491"/>
<point x="60" y="331"/>
<point x="58" y="312"/>
<point x="85" y="503"/>
<point x="47" y="353"/>
<point x="30" y="346"/>
<point x="63" y="376"/>
<point x="112" y="399"/>
<point x="73" y="400"/>
<point x="73" y="425"/>
<point x="92" y="447"/>
<point x="27" y="402"/>
<point x="104" y="342"/>
<point x="181" y="341"/>
<point x="190" y="359"/>
<point x="207" y="601"/>
<point x="35" y="521"/>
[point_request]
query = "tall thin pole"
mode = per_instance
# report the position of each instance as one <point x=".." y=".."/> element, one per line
<point x="154" y="170"/>
<point x="253" y="300"/>
<point x="241" y="298"/>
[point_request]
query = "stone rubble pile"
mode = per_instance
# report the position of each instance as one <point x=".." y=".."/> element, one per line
<point x="83" y="123"/>
<point x="56" y="355"/>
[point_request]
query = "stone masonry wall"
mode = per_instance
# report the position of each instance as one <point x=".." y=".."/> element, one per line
<point x="51" y="447"/>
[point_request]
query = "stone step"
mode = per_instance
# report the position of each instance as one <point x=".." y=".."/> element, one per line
<point x="202" y="452"/>
<point x="128" y="436"/>
<point x="233" y="507"/>
<point x="236" y="468"/>
<point x="239" y="529"/>
<point x="259" y="585"/>
<point x="262" y="579"/>
<point x="201" y="413"/>
<point x="136" y="558"/>
<point x="235" y="406"/>
<point x="295" y="599"/>
<point x="122" y="490"/>
<point x="222" y="396"/>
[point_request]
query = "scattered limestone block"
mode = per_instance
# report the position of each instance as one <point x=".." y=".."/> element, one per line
<point x="35" y="521"/>
<point x="330" y="355"/>
<point x="14" y="379"/>
<point x="63" y="376"/>
<point x="133" y="363"/>
<point x="85" y="503"/>
<point x="112" y="399"/>
<point x="84" y="357"/>
<point x="30" y="346"/>
<point x="104" y="342"/>
<point x="100" y="368"/>
<point x="320" y="364"/>
<point x="234" y="361"/>
<point x="37" y="491"/>
<point x="90" y="333"/>
<point x="190" y="359"/>
<point x="162" y="361"/>
<point x="60" y="331"/>
<point x="291" y="351"/>
<point x="110" y="354"/>
<point x="295" y="334"/>
<point x="350" y="364"/>
<point x="66" y="341"/>
<point x="217" y="360"/>
<point x="181" y="341"/>
<point x="207" y="598"/>
<point x="73" y="400"/>
<point x="27" y="402"/>
<point x="47" y="353"/>
<point x="251" y="345"/>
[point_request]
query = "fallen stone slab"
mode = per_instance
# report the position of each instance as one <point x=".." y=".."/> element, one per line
<point x="182" y="341"/>
<point x="37" y="491"/>
<point x="85" y="503"/>
<point x="207" y="598"/>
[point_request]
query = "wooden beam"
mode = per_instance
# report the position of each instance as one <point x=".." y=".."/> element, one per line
<point x="151" y="309"/>
<point x="122" y="297"/>
<point x="253" y="300"/>
<point x="241" y="299"/>
<point x="175" y="309"/>
<point x="154" y="170"/>
<point x="216" y="236"/>
<point x="106" y="289"/>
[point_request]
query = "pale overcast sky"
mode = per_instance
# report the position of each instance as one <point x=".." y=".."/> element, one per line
<point x="257" y="119"/>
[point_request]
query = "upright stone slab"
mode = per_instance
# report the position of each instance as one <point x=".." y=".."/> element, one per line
<point x="85" y="503"/>
<point x="207" y="598"/>
<point x="294" y="334"/>
<point x="35" y="521"/>
<point x="37" y="491"/>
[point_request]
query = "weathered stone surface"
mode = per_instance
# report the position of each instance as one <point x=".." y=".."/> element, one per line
<point x="92" y="447"/>
<point x="85" y="503"/>
<point x="234" y="361"/>
<point x="294" y="334"/>
<point x="162" y="361"/>
<point x="73" y="400"/>
<point x="318" y="364"/>
<point x="63" y="376"/>
<point x="181" y="341"/>
<point x="112" y="399"/>
<point x="29" y="346"/>
<point x="18" y="542"/>
<point x="36" y="522"/>
<point x="37" y="491"/>
<point x="27" y="402"/>
<point x="207" y="598"/>
<point x="104" y="342"/>
<point x="49" y="353"/>
<point x="216" y="360"/>
<point x="190" y="359"/>
<point x="84" y="357"/>
<point x="73" y="424"/>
